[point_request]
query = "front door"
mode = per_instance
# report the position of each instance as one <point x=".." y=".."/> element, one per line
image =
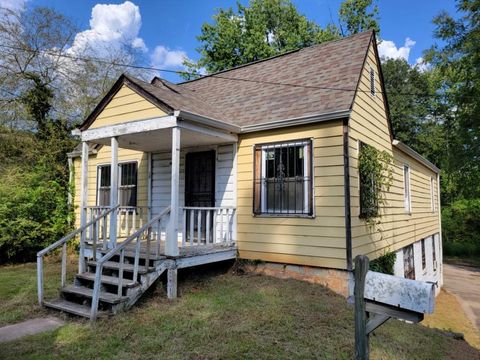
<point x="200" y="179"/>
<point x="199" y="192"/>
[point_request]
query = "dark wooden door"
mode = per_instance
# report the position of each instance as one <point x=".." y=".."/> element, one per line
<point x="200" y="179"/>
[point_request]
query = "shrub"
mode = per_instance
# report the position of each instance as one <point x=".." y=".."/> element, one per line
<point x="461" y="228"/>
<point x="384" y="264"/>
<point x="33" y="213"/>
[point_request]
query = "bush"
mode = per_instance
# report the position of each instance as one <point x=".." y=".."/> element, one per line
<point x="461" y="228"/>
<point x="384" y="264"/>
<point x="33" y="213"/>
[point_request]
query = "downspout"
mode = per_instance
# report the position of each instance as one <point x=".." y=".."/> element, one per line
<point x="346" y="185"/>
<point x="440" y="241"/>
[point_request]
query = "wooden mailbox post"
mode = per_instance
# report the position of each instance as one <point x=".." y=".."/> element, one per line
<point x="379" y="297"/>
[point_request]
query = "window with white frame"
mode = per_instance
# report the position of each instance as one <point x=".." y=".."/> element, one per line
<point x="127" y="185"/>
<point x="406" y="189"/>
<point x="283" y="178"/>
<point x="432" y="194"/>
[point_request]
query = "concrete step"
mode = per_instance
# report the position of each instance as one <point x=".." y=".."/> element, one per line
<point x="110" y="280"/>
<point x="114" y="265"/>
<point x="88" y="293"/>
<point x="72" y="308"/>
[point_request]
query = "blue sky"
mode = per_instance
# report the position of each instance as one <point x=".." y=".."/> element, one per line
<point x="166" y="30"/>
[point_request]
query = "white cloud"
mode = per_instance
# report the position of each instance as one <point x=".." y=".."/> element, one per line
<point x="165" y="58"/>
<point x="422" y="65"/>
<point x="111" y="27"/>
<point x="13" y="5"/>
<point x="388" y="50"/>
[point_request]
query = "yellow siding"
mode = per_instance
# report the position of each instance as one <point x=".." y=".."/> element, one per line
<point x="104" y="157"/>
<point x="368" y="123"/>
<point x="125" y="106"/>
<point x="319" y="241"/>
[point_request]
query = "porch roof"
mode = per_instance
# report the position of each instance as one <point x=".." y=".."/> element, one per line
<point x="156" y="134"/>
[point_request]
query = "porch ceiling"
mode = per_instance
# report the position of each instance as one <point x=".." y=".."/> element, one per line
<point x="161" y="139"/>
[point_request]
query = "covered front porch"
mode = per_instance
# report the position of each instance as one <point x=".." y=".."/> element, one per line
<point x="191" y="206"/>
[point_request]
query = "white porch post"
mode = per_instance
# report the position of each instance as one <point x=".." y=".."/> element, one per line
<point x="171" y="246"/>
<point x="83" y="205"/>
<point x="114" y="191"/>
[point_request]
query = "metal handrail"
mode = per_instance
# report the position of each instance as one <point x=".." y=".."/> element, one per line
<point x="120" y="250"/>
<point x="63" y="241"/>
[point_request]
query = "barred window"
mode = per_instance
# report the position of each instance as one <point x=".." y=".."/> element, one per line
<point x="408" y="262"/>
<point x="127" y="188"/>
<point x="283" y="178"/>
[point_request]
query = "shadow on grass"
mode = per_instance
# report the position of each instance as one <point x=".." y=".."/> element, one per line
<point x="223" y="315"/>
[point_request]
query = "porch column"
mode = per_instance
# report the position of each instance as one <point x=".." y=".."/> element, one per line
<point x="171" y="246"/>
<point x="113" y="191"/>
<point x="83" y="205"/>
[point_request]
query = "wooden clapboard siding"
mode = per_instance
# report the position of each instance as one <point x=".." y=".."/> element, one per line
<point x="104" y="157"/>
<point x="161" y="176"/>
<point x="368" y="123"/>
<point x="318" y="241"/>
<point x="125" y="106"/>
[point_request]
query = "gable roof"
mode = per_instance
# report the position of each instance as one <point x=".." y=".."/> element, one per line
<point x="317" y="80"/>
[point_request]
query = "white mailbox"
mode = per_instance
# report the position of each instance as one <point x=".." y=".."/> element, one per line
<point x="405" y="294"/>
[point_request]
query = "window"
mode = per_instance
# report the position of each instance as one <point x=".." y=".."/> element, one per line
<point x="283" y="179"/>
<point x="408" y="263"/>
<point x="432" y="194"/>
<point x="368" y="191"/>
<point x="434" y="254"/>
<point x="372" y="81"/>
<point x="406" y="188"/>
<point x="424" y="260"/>
<point x="127" y="187"/>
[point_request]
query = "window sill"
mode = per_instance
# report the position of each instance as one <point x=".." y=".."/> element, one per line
<point x="303" y="216"/>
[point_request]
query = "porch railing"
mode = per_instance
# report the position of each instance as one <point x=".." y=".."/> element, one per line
<point x="90" y="227"/>
<point x="203" y="226"/>
<point x="140" y="240"/>
<point x="129" y="219"/>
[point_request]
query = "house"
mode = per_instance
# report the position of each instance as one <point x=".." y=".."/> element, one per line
<point x="258" y="162"/>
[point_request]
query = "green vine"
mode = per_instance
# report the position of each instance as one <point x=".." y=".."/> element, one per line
<point x="385" y="263"/>
<point x="376" y="177"/>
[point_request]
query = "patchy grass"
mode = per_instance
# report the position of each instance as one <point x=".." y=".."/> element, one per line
<point x="224" y="315"/>
<point x="449" y="316"/>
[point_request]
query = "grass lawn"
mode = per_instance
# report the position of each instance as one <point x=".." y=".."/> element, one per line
<point x="221" y="314"/>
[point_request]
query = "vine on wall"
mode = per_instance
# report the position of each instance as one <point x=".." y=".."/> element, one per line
<point x="376" y="177"/>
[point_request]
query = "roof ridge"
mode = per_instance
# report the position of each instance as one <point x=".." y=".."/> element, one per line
<point x="371" y="31"/>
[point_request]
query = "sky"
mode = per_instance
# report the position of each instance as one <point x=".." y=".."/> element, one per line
<point x="165" y="30"/>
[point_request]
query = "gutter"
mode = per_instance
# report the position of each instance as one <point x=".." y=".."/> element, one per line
<point x="218" y="124"/>
<point x="408" y="150"/>
<point x="297" y="121"/>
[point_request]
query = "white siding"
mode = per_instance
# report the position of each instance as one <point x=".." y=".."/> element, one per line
<point x="161" y="175"/>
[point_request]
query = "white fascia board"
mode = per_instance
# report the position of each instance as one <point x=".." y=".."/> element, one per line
<point x="131" y="127"/>
<point x="409" y="151"/>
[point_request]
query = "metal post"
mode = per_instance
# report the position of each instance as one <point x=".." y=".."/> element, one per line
<point x="361" y="335"/>
<point x="171" y="247"/>
<point x="113" y="192"/>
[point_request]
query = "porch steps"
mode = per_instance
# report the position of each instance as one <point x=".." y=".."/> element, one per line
<point x="76" y="299"/>
<point x="72" y="307"/>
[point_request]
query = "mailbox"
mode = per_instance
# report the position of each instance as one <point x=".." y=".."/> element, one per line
<point x="405" y="294"/>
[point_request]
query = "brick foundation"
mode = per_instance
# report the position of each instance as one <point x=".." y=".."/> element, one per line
<point x="336" y="280"/>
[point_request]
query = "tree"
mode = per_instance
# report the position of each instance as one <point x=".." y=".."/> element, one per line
<point x="355" y="16"/>
<point x="456" y="58"/>
<point x="264" y="28"/>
